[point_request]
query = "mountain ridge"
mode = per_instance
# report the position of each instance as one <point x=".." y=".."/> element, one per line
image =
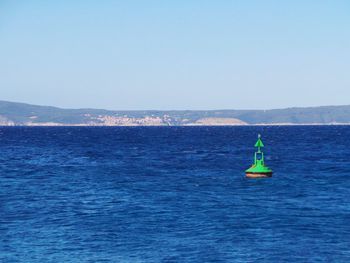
<point x="24" y="114"/>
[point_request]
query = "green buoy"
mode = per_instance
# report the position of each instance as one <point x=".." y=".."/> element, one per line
<point x="258" y="169"/>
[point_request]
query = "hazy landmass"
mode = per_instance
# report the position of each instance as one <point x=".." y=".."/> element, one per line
<point x="21" y="114"/>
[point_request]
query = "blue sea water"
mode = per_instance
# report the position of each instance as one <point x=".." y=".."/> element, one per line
<point x="173" y="194"/>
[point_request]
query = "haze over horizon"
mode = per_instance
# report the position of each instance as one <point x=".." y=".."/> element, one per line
<point x="188" y="55"/>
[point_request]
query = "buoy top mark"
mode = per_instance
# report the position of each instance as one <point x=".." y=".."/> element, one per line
<point x="259" y="144"/>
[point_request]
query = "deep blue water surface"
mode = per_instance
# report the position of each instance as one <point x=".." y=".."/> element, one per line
<point x="173" y="194"/>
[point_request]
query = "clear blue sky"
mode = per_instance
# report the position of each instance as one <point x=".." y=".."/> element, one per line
<point x="179" y="54"/>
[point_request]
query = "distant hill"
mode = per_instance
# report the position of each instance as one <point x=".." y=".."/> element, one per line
<point x="12" y="113"/>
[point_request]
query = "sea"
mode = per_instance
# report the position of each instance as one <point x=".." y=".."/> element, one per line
<point x="174" y="194"/>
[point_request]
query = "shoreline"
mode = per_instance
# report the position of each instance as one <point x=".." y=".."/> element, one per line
<point x="187" y="125"/>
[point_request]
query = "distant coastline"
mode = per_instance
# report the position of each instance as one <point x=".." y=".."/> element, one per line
<point x="189" y="125"/>
<point x="21" y="114"/>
